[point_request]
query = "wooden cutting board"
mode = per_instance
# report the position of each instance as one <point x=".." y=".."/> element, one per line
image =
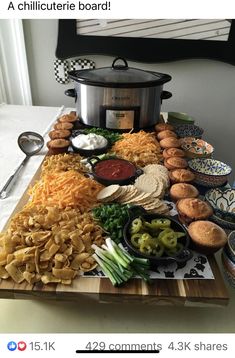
<point x="161" y="292"/>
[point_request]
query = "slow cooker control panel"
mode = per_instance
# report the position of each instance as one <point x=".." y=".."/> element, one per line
<point x="121" y="118"/>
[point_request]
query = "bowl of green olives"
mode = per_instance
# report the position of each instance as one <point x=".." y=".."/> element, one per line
<point x="161" y="239"/>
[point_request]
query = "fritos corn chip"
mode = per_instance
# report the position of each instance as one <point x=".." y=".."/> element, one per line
<point x="63" y="163"/>
<point x="48" y="244"/>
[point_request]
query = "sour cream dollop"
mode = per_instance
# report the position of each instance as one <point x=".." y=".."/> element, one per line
<point x="89" y="141"/>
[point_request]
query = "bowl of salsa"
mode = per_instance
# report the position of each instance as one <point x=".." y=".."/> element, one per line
<point x="113" y="171"/>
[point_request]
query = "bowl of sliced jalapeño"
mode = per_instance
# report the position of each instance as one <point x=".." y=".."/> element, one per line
<point x="161" y="239"/>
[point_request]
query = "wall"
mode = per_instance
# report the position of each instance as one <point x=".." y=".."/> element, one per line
<point x="203" y="88"/>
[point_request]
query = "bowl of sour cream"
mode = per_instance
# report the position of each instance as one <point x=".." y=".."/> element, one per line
<point x="89" y="144"/>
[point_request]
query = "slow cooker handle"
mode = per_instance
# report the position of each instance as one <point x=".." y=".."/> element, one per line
<point x="93" y="160"/>
<point x="120" y="67"/>
<point x="71" y="93"/>
<point x="165" y="95"/>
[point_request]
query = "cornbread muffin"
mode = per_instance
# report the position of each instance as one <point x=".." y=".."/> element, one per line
<point x="57" y="146"/>
<point x="207" y="237"/>
<point x="191" y="209"/>
<point x="170" y="142"/>
<point x="64" y="125"/>
<point x="163" y="126"/>
<point x="60" y="134"/>
<point x="175" y="163"/>
<point x="173" y="152"/>
<point x="166" y="134"/>
<point x="182" y="190"/>
<point x="67" y="118"/>
<point x="181" y="176"/>
<point x="73" y="114"/>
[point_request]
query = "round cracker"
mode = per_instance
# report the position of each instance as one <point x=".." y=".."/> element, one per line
<point x="107" y="192"/>
<point x="140" y="195"/>
<point x="155" y="168"/>
<point x="132" y="193"/>
<point x="160" y="190"/>
<point x="146" y="183"/>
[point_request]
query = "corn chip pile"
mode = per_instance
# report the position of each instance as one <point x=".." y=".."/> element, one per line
<point x="62" y="163"/>
<point x="48" y="244"/>
<point x="50" y="239"/>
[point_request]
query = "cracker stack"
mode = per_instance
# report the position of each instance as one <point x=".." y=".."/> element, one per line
<point x="147" y="191"/>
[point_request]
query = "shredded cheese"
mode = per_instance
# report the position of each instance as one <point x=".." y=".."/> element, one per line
<point x="141" y="148"/>
<point x="64" y="189"/>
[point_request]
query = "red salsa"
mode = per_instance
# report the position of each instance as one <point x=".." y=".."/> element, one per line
<point x="114" y="169"/>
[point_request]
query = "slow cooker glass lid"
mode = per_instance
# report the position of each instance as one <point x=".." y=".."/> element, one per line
<point x="117" y="77"/>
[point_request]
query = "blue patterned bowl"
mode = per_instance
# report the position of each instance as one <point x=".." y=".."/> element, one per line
<point x="229" y="265"/>
<point x="231" y="245"/>
<point x="229" y="274"/>
<point x="229" y="278"/>
<point x="209" y="172"/>
<point x="223" y="223"/>
<point x="189" y="130"/>
<point x="223" y="202"/>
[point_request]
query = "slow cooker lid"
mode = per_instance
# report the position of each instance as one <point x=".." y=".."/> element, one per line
<point x="119" y="75"/>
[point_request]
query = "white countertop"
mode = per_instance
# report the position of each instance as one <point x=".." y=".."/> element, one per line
<point x="87" y="315"/>
<point x="13" y="121"/>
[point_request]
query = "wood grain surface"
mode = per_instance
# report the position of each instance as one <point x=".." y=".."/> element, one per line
<point x="161" y="291"/>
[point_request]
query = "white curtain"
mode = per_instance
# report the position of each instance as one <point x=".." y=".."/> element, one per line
<point x="14" y="75"/>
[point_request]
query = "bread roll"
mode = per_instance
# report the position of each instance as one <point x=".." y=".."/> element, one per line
<point x="173" y="152"/>
<point x="182" y="190"/>
<point x="169" y="142"/>
<point x="181" y="176"/>
<point x="163" y="126"/>
<point x="206" y="236"/>
<point x="166" y="134"/>
<point x="175" y="163"/>
<point x="193" y="209"/>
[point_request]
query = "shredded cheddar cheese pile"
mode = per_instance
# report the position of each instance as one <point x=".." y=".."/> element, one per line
<point x="65" y="189"/>
<point x="140" y="148"/>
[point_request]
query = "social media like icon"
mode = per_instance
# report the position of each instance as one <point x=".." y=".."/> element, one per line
<point x="22" y="346"/>
<point x="12" y="346"/>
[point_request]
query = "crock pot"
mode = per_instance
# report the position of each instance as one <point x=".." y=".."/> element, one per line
<point x="118" y="97"/>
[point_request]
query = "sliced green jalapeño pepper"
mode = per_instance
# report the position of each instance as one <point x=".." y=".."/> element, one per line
<point x="178" y="234"/>
<point x="158" y="247"/>
<point x="169" y="240"/>
<point x="147" y="246"/>
<point x="165" y="231"/>
<point x="160" y="223"/>
<point x="136" y="225"/>
<point x="174" y="251"/>
<point x="135" y="240"/>
<point x="145" y="237"/>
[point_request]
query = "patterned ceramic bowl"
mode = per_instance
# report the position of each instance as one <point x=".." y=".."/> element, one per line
<point x="209" y="172"/>
<point x="231" y="245"/>
<point x="177" y="118"/>
<point x="229" y="254"/>
<point x="223" y="223"/>
<point x="229" y="278"/>
<point x="196" y="148"/>
<point x="228" y="264"/>
<point x="189" y="130"/>
<point x="223" y="202"/>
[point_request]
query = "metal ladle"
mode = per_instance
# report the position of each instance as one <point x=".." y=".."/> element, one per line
<point x="30" y="143"/>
